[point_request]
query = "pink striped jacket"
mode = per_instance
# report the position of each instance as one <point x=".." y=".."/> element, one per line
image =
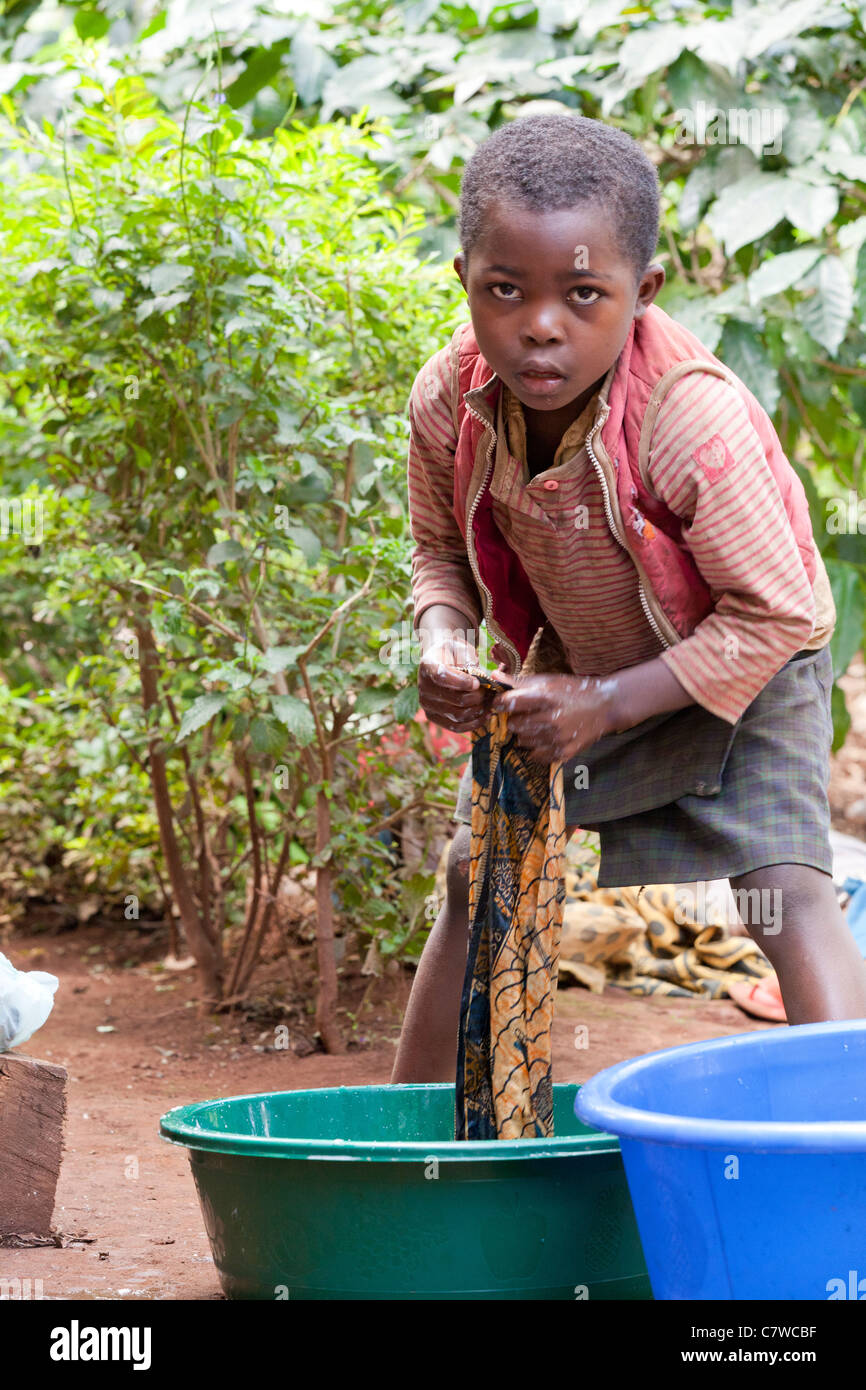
<point x="675" y="597"/>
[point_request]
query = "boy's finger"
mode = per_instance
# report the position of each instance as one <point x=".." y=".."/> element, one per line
<point x="463" y="702"/>
<point x="521" y="698"/>
<point x="452" y="718"/>
<point x="457" y="723"/>
<point x="447" y="698"/>
<point x="448" y="677"/>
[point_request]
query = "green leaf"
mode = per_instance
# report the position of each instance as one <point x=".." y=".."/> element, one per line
<point x="296" y="716"/>
<point x="155" y="25"/>
<point x="241" y="323"/>
<point x="160" y="305"/>
<point x="810" y="206"/>
<point x="287" y="427"/>
<point x="827" y="312"/>
<point x="106" y="299"/>
<point x="743" y="351"/>
<point x="280" y="658"/>
<point x="267" y="734"/>
<point x="861" y="284"/>
<point x="748" y="209"/>
<point x="406" y="703"/>
<point x="699" y="317"/>
<point x="841" y="717"/>
<point x="200" y="712"/>
<point x="710" y="176"/>
<point x="778" y="273"/>
<point x="262" y="67"/>
<point x="233" y="676"/>
<point x="371" y="699"/>
<point x="846" y="164"/>
<point x="166" y="277"/>
<point x="40" y="268"/>
<point x="648" y="48"/>
<point x="224" y="551"/>
<point x="90" y="24"/>
<point x="850" y="600"/>
<point x="311" y="67"/>
<point x="307" y="542"/>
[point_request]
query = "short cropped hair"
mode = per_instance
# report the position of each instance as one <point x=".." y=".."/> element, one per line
<point x="551" y="161"/>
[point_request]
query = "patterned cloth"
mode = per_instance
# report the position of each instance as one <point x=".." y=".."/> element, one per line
<point x="649" y="940"/>
<point x="504" y="1086"/>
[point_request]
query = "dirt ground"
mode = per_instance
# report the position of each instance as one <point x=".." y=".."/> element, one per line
<point x="127" y="1215"/>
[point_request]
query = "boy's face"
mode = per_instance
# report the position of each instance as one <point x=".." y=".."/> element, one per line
<point x="552" y="299"/>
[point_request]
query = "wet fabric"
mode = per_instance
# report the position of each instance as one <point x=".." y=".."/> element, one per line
<point x="504" y="1085"/>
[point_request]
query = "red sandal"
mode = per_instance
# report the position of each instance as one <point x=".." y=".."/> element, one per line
<point x="763" y="999"/>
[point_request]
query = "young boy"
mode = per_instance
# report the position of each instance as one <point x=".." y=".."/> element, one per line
<point x="578" y="459"/>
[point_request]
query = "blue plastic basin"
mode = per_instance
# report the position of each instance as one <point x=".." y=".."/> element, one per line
<point x="746" y="1161"/>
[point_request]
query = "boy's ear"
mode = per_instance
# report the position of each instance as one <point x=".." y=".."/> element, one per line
<point x="650" y="283"/>
<point x="461" y="268"/>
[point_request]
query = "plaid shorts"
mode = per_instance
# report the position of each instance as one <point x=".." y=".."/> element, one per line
<point x="688" y="796"/>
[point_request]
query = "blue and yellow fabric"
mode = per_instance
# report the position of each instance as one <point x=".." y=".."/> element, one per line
<point x="504" y="1085"/>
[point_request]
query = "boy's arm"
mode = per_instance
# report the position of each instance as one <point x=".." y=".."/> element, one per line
<point x="708" y="465"/>
<point x="638" y="692"/>
<point x="441" y="572"/>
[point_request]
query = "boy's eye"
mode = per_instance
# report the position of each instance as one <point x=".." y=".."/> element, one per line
<point x="504" y="290"/>
<point x="587" y="290"/>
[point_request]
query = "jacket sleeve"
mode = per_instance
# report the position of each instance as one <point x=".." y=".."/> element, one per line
<point x="441" y="572"/>
<point x="708" y="465"/>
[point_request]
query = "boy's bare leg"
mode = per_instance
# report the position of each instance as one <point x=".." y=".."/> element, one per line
<point x="796" y="920"/>
<point x="428" y="1043"/>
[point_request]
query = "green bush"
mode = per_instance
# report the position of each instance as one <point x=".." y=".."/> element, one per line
<point x="207" y="347"/>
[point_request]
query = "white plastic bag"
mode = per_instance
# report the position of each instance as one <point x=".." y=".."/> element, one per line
<point x="26" y="1000"/>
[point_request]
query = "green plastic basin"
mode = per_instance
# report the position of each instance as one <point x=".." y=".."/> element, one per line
<point x="360" y="1192"/>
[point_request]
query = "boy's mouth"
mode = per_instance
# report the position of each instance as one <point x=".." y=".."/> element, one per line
<point x="542" y="379"/>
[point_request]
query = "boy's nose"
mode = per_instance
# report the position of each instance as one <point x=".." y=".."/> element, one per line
<point x="544" y="329"/>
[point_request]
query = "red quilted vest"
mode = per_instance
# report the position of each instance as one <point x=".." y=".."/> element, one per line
<point x="673" y="592"/>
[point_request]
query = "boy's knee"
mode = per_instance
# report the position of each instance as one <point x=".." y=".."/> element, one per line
<point x="457" y="869"/>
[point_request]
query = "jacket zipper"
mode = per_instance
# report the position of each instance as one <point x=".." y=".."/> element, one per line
<point x="610" y="521"/>
<point x="488" y="611"/>
<point x="650" y="619"/>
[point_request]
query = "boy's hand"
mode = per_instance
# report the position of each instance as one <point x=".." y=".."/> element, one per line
<point x="556" y="717"/>
<point x="448" y="696"/>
